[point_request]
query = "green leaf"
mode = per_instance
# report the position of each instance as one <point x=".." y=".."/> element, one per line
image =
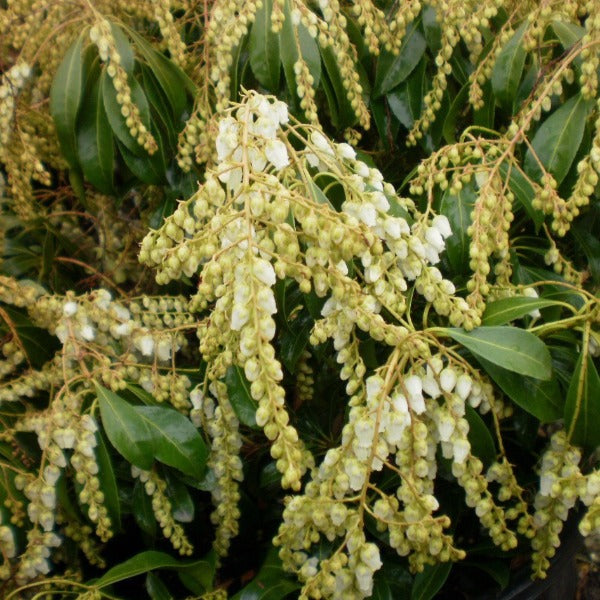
<point x="173" y="81"/>
<point x="271" y="582"/>
<point x="457" y="209"/>
<point x="117" y="120"/>
<point x="108" y="483"/>
<point x="432" y="29"/>
<point x="406" y="102"/>
<point x="582" y="409"/>
<point x="141" y="563"/>
<point x="508" y="347"/>
<point x="394" y="69"/>
<point x="130" y="435"/>
<point x="498" y="570"/>
<point x="95" y="141"/>
<point x="181" y="501"/>
<point x="480" y="438"/>
<point x="542" y="399"/>
<point x="124" y="49"/>
<point x="558" y="138"/>
<point x="295" y="339"/>
<point x="156" y="589"/>
<point x="238" y="389"/>
<point x="585" y="231"/>
<point x="346" y="116"/>
<point x="429" y="582"/>
<point x="142" y="510"/>
<point x="458" y="104"/>
<point x="288" y="48"/>
<point x="176" y="442"/>
<point x="199" y="576"/>
<point x="506" y="310"/>
<point x="264" y="48"/>
<point x="508" y="69"/>
<point x="65" y="97"/>
<point x="524" y="192"/>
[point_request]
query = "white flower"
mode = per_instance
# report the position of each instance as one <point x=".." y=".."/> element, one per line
<point x="257" y="158"/>
<point x="265" y="126"/>
<point x="240" y="315"/>
<point x="196" y="397"/>
<point x="346" y="151"/>
<point x="265" y="300"/>
<point x="448" y="379"/>
<point x="461" y="449"/>
<point x="530" y="292"/>
<point x="435" y="239"/>
<point x="368" y="215"/>
<point x="441" y="223"/>
<point x="87" y="332"/>
<point x="276" y="153"/>
<point x="413" y="385"/>
<point x="281" y="110"/>
<point x="163" y="349"/>
<point x="374" y="386"/>
<point x="312" y="159"/>
<point x="369" y="555"/>
<point x="361" y="169"/>
<point x="445" y="427"/>
<point x="463" y="386"/>
<point x="417" y="404"/>
<point x="145" y="344"/>
<point x="70" y="308"/>
<point x="263" y="271"/>
<point x="321" y="143"/>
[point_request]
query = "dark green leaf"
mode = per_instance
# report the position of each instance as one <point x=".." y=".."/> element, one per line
<point x="568" y="34"/>
<point x="144" y="562"/>
<point x="295" y="340"/>
<point x="480" y="438"/>
<point x="288" y="48"/>
<point x="457" y="209"/>
<point x="508" y="347"/>
<point x="542" y="399"/>
<point x="156" y="589"/>
<point x="129" y="434"/>
<point x="498" y="570"/>
<point x="458" y="104"/>
<point x="343" y="109"/>
<point x="238" y="389"/>
<point x="508" y="68"/>
<point x="394" y="69"/>
<point x="117" y="120"/>
<point x="432" y="29"/>
<point x="124" y="49"/>
<point x="142" y="510"/>
<point x="176" y="442"/>
<point x="181" y="501"/>
<point x="264" y="48"/>
<point x="524" y="192"/>
<point x="271" y="582"/>
<point x="429" y="582"/>
<point x="558" y="138"/>
<point x="65" y="98"/>
<point x="589" y="242"/>
<point x="108" y="483"/>
<point x="406" y="102"/>
<point x="95" y="141"/>
<point x="582" y="409"/>
<point x="506" y="310"/>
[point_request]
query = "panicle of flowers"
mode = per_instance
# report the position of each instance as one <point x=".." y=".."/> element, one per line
<point x="101" y="34"/>
<point x="13" y="80"/>
<point x="170" y="32"/>
<point x="156" y="488"/>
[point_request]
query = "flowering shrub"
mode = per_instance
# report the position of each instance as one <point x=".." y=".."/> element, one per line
<point x="342" y="323"/>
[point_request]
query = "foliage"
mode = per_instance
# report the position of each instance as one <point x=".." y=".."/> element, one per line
<point x="305" y="293"/>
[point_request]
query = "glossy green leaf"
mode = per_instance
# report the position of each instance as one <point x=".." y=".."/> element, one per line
<point x="288" y="48"/>
<point x="542" y="399"/>
<point x="199" y="576"/>
<point x="480" y="438"/>
<point x="509" y="309"/>
<point x="176" y="442"/>
<point x="432" y="29"/>
<point x="129" y="434"/>
<point x="569" y="34"/>
<point x="524" y="192"/>
<point x="141" y="563"/>
<point x="181" y="501"/>
<point x="142" y="510"/>
<point x="124" y="48"/>
<point x="108" y="483"/>
<point x="65" y="99"/>
<point x="156" y="589"/>
<point x="458" y="105"/>
<point x="173" y="81"/>
<point x="508" y="68"/>
<point x="117" y="120"/>
<point x="508" y="347"/>
<point x="587" y="234"/>
<point x="295" y="339"/>
<point x="394" y="69"/>
<point x="558" y="138"/>
<point x="582" y="409"/>
<point x="457" y="208"/>
<point x="271" y="582"/>
<point x="238" y="389"/>
<point x="95" y="142"/>
<point x="343" y="111"/>
<point x="264" y="48"/>
<point x="406" y="101"/>
<point x="429" y="582"/>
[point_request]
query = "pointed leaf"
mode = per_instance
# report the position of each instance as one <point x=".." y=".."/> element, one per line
<point x="506" y="310"/>
<point x="582" y="409"/>
<point x="156" y="589"/>
<point x="480" y="438"/>
<point x="508" y="347"/>
<point x="129" y="434"/>
<point x="264" y="48"/>
<point x="238" y="389"/>
<point x="65" y="99"/>
<point x="524" y="192"/>
<point x="141" y="563"/>
<point x="108" y="483"/>
<point x="176" y="441"/>
<point x="508" y="68"/>
<point x="117" y="120"/>
<point x="542" y="399"/>
<point x="95" y="141"/>
<point x="394" y="69"/>
<point x="558" y="138"/>
<point x="457" y="209"/>
<point x="429" y="582"/>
